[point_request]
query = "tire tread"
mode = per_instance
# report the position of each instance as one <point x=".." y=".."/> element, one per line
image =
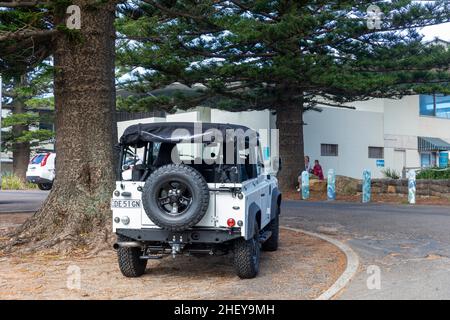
<point x="130" y="264"/>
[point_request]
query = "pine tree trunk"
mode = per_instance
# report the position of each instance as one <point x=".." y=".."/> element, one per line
<point x="77" y="211"/>
<point x="290" y="126"/>
<point x="21" y="150"/>
<point x="21" y="157"/>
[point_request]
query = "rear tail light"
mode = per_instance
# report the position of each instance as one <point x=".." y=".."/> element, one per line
<point x="231" y="223"/>
<point x="44" y="160"/>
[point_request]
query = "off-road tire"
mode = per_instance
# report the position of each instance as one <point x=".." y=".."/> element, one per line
<point x="271" y="244"/>
<point x="246" y="256"/>
<point x="197" y="186"/>
<point x="130" y="264"/>
<point x="45" y="186"/>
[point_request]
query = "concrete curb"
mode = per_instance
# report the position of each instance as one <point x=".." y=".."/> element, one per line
<point x="350" y="270"/>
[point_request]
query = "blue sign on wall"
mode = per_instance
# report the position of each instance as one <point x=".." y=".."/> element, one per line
<point x="443" y="160"/>
<point x="266" y="153"/>
<point x="380" y="163"/>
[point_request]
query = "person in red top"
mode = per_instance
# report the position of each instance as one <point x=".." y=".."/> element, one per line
<point x="317" y="170"/>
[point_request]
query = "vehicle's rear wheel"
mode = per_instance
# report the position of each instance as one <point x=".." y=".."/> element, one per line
<point x="44" y="186"/>
<point x="130" y="263"/>
<point x="271" y="244"/>
<point x="247" y="255"/>
<point x="175" y="197"/>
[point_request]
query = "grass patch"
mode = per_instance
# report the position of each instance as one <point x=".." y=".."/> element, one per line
<point x="12" y="182"/>
<point x="434" y="173"/>
<point x="390" y="173"/>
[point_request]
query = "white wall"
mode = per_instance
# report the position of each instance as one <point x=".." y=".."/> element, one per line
<point x="403" y="124"/>
<point x="393" y="124"/>
<point x="353" y="131"/>
<point x="199" y="114"/>
<point x="261" y="121"/>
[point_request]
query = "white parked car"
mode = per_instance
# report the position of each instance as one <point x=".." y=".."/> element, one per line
<point x="41" y="170"/>
<point x="183" y="196"/>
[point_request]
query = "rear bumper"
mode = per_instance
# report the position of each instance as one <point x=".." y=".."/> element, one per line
<point x="37" y="179"/>
<point x="209" y="236"/>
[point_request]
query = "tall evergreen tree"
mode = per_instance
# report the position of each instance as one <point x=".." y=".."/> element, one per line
<point x="284" y="55"/>
<point x="28" y="97"/>
<point x="76" y="211"/>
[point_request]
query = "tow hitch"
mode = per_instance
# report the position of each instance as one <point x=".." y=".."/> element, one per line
<point x="177" y="246"/>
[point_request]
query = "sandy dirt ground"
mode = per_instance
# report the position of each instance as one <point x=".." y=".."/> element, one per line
<point x="302" y="268"/>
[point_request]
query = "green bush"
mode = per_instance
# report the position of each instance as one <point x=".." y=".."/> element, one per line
<point x="434" y="173"/>
<point x="390" y="173"/>
<point x="12" y="182"/>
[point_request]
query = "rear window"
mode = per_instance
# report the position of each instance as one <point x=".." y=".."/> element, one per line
<point x="37" y="159"/>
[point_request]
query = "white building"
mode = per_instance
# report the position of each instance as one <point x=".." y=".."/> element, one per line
<point x="383" y="133"/>
<point x="379" y="134"/>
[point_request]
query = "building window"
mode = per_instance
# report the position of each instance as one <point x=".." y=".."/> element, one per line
<point x="329" y="150"/>
<point x="376" y="152"/>
<point x="436" y="105"/>
<point x="428" y="159"/>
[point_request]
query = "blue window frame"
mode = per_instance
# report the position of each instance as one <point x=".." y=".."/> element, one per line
<point x="437" y="105"/>
<point x="429" y="159"/>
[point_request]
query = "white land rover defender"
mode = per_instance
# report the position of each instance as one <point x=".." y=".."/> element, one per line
<point x="193" y="188"/>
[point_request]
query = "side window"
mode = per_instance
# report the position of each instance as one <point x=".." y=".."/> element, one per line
<point x="436" y="105"/>
<point x="328" y="150"/>
<point x="155" y="149"/>
<point x="129" y="159"/>
<point x="376" y="152"/>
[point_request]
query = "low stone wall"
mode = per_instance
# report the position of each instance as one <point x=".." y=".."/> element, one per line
<point x="440" y="188"/>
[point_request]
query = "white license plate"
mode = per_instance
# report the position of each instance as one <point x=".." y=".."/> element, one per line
<point x="129" y="204"/>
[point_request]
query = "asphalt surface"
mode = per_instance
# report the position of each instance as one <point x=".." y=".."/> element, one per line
<point x="21" y="201"/>
<point x="404" y="250"/>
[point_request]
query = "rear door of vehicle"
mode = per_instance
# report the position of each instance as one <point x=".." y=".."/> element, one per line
<point x="35" y="167"/>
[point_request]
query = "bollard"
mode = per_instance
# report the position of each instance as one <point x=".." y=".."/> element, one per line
<point x="412" y="186"/>
<point x="305" y="185"/>
<point x="331" y="185"/>
<point x="366" y="187"/>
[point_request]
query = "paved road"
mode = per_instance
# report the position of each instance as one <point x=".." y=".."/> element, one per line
<point x="410" y="246"/>
<point x="21" y="201"/>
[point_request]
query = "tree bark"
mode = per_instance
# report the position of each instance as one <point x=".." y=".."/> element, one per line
<point x="20" y="150"/>
<point x="290" y="126"/>
<point x="77" y="211"/>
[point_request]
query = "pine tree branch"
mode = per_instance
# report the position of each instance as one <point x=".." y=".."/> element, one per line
<point x="8" y="94"/>
<point x="26" y="3"/>
<point x="246" y="8"/>
<point x="173" y="13"/>
<point x="334" y="105"/>
<point x="27" y="34"/>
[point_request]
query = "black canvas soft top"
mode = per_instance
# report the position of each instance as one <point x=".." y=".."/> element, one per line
<point x="175" y="132"/>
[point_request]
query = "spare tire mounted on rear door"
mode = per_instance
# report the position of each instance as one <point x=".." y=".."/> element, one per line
<point x="175" y="197"/>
